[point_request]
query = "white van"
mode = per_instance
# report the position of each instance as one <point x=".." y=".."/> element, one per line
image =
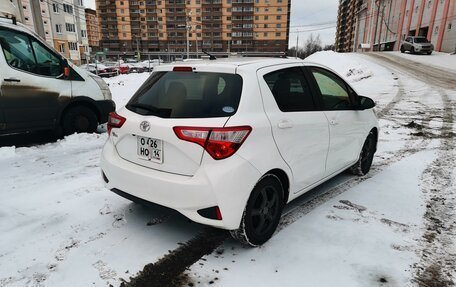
<point x="40" y="89"/>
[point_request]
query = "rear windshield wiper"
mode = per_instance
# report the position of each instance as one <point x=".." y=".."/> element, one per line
<point x="151" y="110"/>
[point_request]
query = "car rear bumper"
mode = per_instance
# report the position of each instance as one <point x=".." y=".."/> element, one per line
<point x="226" y="184"/>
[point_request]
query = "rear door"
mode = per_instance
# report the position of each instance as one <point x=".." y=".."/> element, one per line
<point x="31" y="82"/>
<point x="170" y="99"/>
<point x="300" y="131"/>
<point x="346" y="125"/>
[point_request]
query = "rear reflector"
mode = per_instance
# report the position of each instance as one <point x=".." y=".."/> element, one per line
<point x="115" y="121"/>
<point x="182" y="69"/>
<point x="220" y="143"/>
<point x="211" y="213"/>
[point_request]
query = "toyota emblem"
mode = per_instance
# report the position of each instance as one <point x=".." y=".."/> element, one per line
<point x="144" y="126"/>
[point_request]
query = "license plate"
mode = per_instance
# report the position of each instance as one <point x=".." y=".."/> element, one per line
<point x="150" y="149"/>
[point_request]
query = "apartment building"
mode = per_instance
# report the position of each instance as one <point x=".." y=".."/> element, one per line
<point x="212" y="25"/>
<point x="60" y="22"/>
<point x="346" y="17"/>
<point x="35" y="15"/>
<point x="383" y="24"/>
<point x="69" y="29"/>
<point x="93" y="28"/>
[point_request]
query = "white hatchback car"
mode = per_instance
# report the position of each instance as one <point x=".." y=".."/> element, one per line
<point x="229" y="142"/>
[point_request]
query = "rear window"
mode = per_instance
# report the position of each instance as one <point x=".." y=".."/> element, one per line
<point x="188" y="95"/>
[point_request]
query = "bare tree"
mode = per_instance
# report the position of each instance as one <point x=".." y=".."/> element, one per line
<point x="313" y="44"/>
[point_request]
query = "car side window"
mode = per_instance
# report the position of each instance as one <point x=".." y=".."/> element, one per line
<point x="47" y="63"/>
<point x="17" y="50"/>
<point x="23" y="53"/>
<point x="334" y="92"/>
<point x="290" y="90"/>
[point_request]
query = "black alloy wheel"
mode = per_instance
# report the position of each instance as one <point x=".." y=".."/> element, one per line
<point x="262" y="213"/>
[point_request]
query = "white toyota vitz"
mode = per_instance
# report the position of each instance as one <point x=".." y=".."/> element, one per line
<point x="229" y="142"/>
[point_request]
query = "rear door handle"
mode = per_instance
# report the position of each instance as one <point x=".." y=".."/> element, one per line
<point x="333" y="122"/>
<point x="12" y="80"/>
<point x="285" y="124"/>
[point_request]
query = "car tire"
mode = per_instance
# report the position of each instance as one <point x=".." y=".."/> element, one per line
<point x="402" y="49"/>
<point x="262" y="212"/>
<point x="79" y="119"/>
<point x="364" y="163"/>
<point x="412" y="50"/>
<point x="429" y="52"/>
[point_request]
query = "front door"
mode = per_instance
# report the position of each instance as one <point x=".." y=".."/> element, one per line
<point x="31" y="82"/>
<point x="300" y="131"/>
<point x="346" y="125"/>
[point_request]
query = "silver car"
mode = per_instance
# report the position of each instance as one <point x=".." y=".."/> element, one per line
<point x="417" y="44"/>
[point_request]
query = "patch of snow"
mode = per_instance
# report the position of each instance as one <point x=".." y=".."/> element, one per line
<point x="436" y="59"/>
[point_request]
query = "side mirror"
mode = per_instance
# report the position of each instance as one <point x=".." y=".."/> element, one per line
<point x="364" y="103"/>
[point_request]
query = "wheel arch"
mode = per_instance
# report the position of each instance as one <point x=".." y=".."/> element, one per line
<point x="374" y="131"/>
<point x="284" y="180"/>
<point x="80" y="101"/>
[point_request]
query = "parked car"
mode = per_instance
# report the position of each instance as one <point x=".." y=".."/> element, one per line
<point x="119" y="66"/>
<point x="228" y="143"/>
<point x="150" y="64"/>
<point x="41" y="90"/>
<point x="418" y="44"/>
<point x="134" y="67"/>
<point x="100" y="70"/>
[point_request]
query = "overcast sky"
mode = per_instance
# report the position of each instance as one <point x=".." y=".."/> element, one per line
<point x="304" y="14"/>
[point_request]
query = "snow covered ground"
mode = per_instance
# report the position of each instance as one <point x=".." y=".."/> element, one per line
<point x="60" y="227"/>
<point x="436" y="59"/>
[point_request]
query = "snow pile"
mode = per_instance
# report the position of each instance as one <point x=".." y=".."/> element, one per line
<point x="85" y="140"/>
<point x="352" y="71"/>
<point x="7" y="152"/>
<point x="124" y="86"/>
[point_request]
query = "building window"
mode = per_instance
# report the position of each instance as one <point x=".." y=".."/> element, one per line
<point x="279" y="17"/>
<point x="58" y="28"/>
<point x="68" y="8"/>
<point x="62" y="48"/>
<point x="277" y="34"/>
<point x="266" y="17"/>
<point x="436" y="30"/>
<point x="70" y="27"/>
<point x="73" y="46"/>
<point x="449" y="26"/>
<point x="83" y="33"/>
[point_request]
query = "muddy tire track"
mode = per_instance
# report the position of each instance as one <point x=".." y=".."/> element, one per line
<point x="169" y="270"/>
<point x="437" y="265"/>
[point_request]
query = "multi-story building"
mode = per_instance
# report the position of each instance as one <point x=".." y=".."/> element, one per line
<point x="345" y="33"/>
<point x="35" y="15"/>
<point x="60" y="22"/>
<point x="383" y="24"/>
<point x="69" y="28"/>
<point x="212" y="25"/>
<point x="93" y="28"/>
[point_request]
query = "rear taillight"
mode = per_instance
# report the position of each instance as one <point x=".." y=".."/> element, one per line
<point x="220" y="143"/>
<point x="115" y="121"/>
